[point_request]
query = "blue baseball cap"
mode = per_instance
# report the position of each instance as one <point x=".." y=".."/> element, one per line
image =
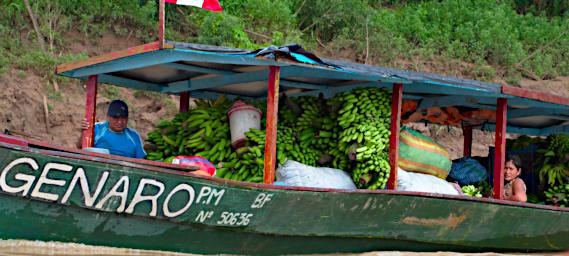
<point x="117" y="108"/>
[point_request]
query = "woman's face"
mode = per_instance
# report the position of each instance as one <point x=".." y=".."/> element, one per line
<point x="511" y="171"/>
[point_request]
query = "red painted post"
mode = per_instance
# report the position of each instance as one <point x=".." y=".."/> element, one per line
<point x="272" y="114"/>
<point x="396" y="101"/>
<point x="161" y="23"/>
<point x="184" y="102"/>
<point x="467" y="134"/>
<point x="90" y="111"/>
<point x="500" y="148"/>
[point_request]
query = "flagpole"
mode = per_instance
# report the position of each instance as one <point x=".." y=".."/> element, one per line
<point x="161" y="23"/>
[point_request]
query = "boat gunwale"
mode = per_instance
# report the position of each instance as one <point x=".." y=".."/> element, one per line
<point x="131" y="162"/>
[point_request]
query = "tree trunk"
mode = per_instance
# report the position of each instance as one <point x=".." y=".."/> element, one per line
<point x="35" y="24"/>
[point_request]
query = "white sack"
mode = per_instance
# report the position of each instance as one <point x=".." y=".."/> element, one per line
<point x="419" y="182"/>
<point x="293" y="173"/>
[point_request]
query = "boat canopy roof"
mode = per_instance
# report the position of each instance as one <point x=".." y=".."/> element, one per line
<point x="210" y="71"/>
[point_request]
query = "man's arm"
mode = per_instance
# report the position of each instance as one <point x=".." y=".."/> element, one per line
<point x="140" y="153"/>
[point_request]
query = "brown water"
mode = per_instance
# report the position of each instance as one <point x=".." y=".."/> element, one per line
<point x="37" y="248"/>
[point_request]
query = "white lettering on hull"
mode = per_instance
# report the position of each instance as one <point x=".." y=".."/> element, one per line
<point x="44" y="180"/>
<point x="177" y="199"/>
<point x="80" y="176"/>
<point x="191" y="194"/>
<point x="123" y="194"/>
<point x="138" y="197"/>
<point x="29" y="179"/>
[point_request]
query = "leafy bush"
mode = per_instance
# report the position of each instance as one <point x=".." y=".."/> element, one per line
<point x="509" y="38"/>
<point x="43" y="63"/>
<point x="224" y="29"/>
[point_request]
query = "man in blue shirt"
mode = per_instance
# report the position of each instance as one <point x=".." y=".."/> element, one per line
<point x="114" y="134"/>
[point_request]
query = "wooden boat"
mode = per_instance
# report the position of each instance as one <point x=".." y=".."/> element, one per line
<point x="52" y="195"/>
<point x="56" y="194"/>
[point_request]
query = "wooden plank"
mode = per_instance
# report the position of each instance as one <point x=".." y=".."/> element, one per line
<point x="563" y="128"/>
<point x="396" y="101"/>
<point x="214" y="95"/>
<point x="327" y="73"/>
<point x="109" y="57"/>
<point x="198" y="69"/>
<point x="218" y="81"/>
<point x="90" y="112"/>
<point x="513" y="129"/>
<point x="184" y="102"/>
<point x="456" y="100"/>
<point x="561" y="114"/>
<point x="500" y="148"/>
<point x="4" y="138"/>
<point x="292" y="84"/>
<point x="130" y="83"/>
<point x="467" y="142"/>
<point x="535" y="95"/>
<point x="108" y="158"/>
<point x="161" y="23"/>
<point x="271" y="130"/>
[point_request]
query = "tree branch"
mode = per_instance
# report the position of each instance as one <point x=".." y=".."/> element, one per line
<point x="35" y="24"/>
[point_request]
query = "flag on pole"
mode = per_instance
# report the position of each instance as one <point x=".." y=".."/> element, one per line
<point x="212" y="5"/>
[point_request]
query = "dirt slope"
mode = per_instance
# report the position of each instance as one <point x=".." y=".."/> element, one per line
<point x="22" y="100"/>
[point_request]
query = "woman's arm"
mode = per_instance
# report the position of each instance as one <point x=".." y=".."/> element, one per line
<point x="519" y="191"/>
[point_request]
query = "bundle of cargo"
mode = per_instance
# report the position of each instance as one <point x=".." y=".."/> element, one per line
<point x="419" y="153"/>
<point x="349" y="132"/>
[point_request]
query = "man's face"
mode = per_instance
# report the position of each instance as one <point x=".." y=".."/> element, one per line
<point x="117" y="124"/>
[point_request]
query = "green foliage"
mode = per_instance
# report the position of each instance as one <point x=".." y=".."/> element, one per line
<point x="110" y="92"/>
<point x="224" y="29"/>
<point x="43" y="63"/>
<point x="490" y="34"/>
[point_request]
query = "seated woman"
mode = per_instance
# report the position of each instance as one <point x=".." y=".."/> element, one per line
<point x="514" y="186"/>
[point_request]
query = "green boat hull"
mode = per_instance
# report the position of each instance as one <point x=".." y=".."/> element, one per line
<point x="56" y="196"/>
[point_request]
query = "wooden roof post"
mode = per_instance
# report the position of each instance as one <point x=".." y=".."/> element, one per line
<point x="500" y="148"/>
<point x="467" y="135"/>
<point x="184" y="102"/>
<point x="161" y="23"/>
<point x="396" y="101"/>
<point x="272" y="116"/>
<point x="90" y="111"/>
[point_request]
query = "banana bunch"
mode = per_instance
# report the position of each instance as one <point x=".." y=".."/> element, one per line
<point x="558" y="195"/>
<point x="307" y="132"/>
<point x="471" y="190"/>
<point x="246" y="163"/>
<point x="202" y="131"/>
<point x="364" y="119"/>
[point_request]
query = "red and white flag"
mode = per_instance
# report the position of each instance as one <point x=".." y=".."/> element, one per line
<point x="212" y="5"/>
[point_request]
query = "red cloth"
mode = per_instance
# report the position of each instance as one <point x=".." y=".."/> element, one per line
<point x="212" y="5"/>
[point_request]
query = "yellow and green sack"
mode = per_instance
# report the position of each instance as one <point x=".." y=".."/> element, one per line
<point x="419" y="153"/>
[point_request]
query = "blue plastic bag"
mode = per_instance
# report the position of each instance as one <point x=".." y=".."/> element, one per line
<point x="467" y="171"/>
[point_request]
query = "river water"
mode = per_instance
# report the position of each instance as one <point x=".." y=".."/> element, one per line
<point x="37" y="248"/>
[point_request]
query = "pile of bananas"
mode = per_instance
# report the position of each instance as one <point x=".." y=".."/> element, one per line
<point x="202" y="131"/>
<point x="307" y="132"/>
<point x="247" y="163"/>
<point x="558" y="195"/>
<point x="472" y="190"/>
<point x="364" y="119"/>
<point x="348" y="132"/>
